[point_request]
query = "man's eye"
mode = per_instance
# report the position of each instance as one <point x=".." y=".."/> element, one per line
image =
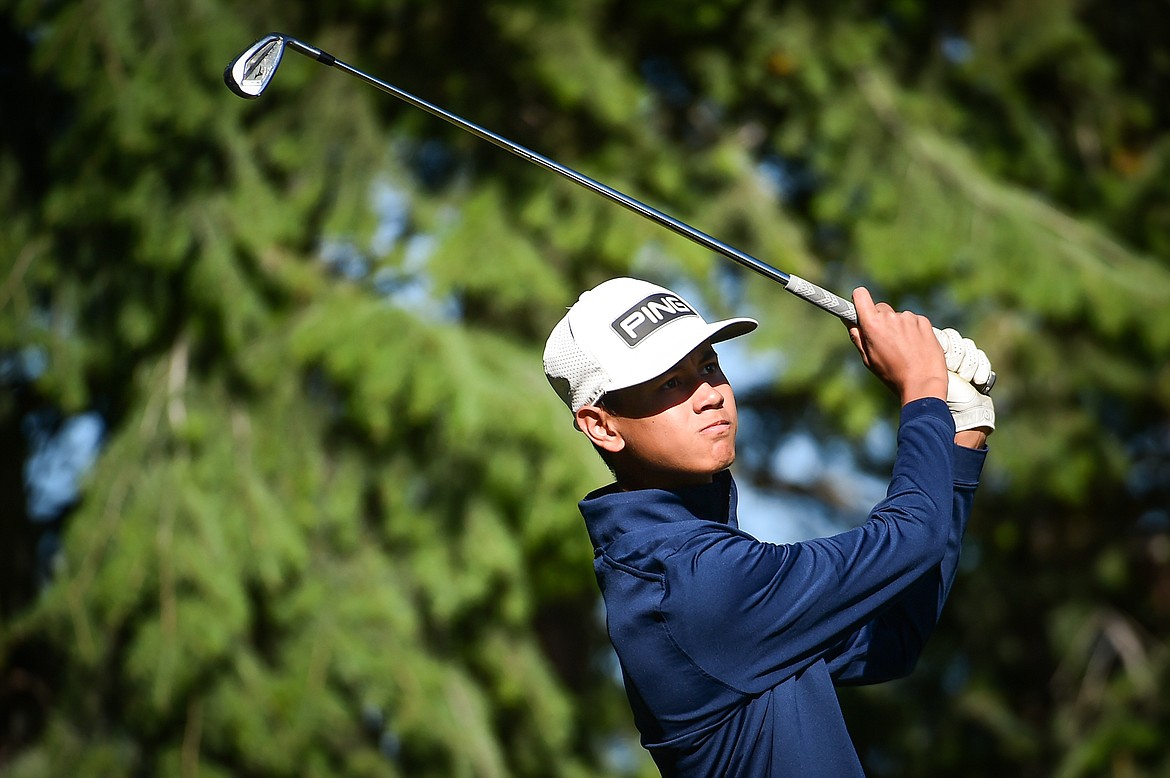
<point x="711" y="367"/>
<point x="673" y="383"/>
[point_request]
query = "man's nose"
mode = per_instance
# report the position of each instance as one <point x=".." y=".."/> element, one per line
<point x="707" y="395"/>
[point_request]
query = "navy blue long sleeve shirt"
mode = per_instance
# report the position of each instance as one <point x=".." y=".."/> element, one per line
<point x="731" y="647"/>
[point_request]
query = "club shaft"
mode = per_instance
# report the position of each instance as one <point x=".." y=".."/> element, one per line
<point x="822" y="298"/>
<point x="687" y="231"/>
<point x="806" y="290"/>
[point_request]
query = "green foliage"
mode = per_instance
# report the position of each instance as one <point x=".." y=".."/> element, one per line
<point x="333" y="530"/>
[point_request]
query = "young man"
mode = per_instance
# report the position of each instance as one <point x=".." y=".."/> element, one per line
<point x="730" y="647"/>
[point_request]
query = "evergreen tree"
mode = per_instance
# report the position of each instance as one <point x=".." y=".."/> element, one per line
<point x="333" y="530"/>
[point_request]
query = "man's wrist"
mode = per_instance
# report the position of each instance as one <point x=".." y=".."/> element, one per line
<point x="929" y="387"/>
<point x="972" y="438"/>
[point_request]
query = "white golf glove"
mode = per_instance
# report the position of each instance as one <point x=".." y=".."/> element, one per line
<point x="967" y="366"/>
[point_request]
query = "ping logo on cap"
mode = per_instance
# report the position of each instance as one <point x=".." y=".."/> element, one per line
<point x="647" y="316"/>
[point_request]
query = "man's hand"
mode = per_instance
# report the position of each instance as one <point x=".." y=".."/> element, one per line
<point x="967" y="365"/>
<point x="900" y="348"/>
<point x="963" y="357"/>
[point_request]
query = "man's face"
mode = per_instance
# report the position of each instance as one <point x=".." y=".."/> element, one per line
<point x="677" y="429"/>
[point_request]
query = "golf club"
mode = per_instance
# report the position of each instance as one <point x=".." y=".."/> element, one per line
<point x="250" y="73"/>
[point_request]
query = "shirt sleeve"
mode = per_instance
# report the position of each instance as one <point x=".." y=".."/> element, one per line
<point x="889" y="646"/>
<point x="750" y="613"/>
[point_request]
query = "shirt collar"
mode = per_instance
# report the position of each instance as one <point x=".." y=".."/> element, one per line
<point x="610" y="512"/>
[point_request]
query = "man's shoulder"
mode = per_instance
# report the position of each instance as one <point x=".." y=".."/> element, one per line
<point x="660" y="547"/>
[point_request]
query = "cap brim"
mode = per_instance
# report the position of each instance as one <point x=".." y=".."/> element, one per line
<point x="663" y="360"/>
<point x="731" y="328"/>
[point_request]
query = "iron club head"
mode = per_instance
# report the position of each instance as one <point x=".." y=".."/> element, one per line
<point x="248" y="74"/>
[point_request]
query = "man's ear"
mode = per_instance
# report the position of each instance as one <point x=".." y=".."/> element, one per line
<point x="600" y="426"/>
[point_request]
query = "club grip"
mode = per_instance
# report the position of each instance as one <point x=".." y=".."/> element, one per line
<point x="843" y="309"/>
<point x="822" y="298"/>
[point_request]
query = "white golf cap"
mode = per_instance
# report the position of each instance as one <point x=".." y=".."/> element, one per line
<point x="622" y="333"/>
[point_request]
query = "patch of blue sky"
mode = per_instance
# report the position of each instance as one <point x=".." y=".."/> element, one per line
<point x="23" y="365"/>
<point x="343" y="258"/>
<point x="411" y="288"/>
<point x="58" y="461"/>
<point x="779" y="516"/>
<point x="391" y="207"/>
<point x="956" y="49"/>
<point x="785" y="518"/>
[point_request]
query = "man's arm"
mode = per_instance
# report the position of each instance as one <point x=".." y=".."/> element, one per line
<point x="752" y="613"/>
<point x="890" y="645"/>
<point x="976" y="439"/>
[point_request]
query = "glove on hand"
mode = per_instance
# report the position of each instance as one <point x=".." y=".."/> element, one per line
<point x="967" y="365"/>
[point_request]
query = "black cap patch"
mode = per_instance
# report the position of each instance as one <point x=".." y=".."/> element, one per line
<point x="647" y="316"/>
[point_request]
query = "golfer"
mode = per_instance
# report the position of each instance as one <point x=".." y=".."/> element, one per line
<point x="731" y="648"/>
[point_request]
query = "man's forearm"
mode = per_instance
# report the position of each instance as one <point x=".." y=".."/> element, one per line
<point x="975" y="438"/>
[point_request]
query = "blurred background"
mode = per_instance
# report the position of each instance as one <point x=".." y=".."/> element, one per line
<point x="285" y="492"/>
